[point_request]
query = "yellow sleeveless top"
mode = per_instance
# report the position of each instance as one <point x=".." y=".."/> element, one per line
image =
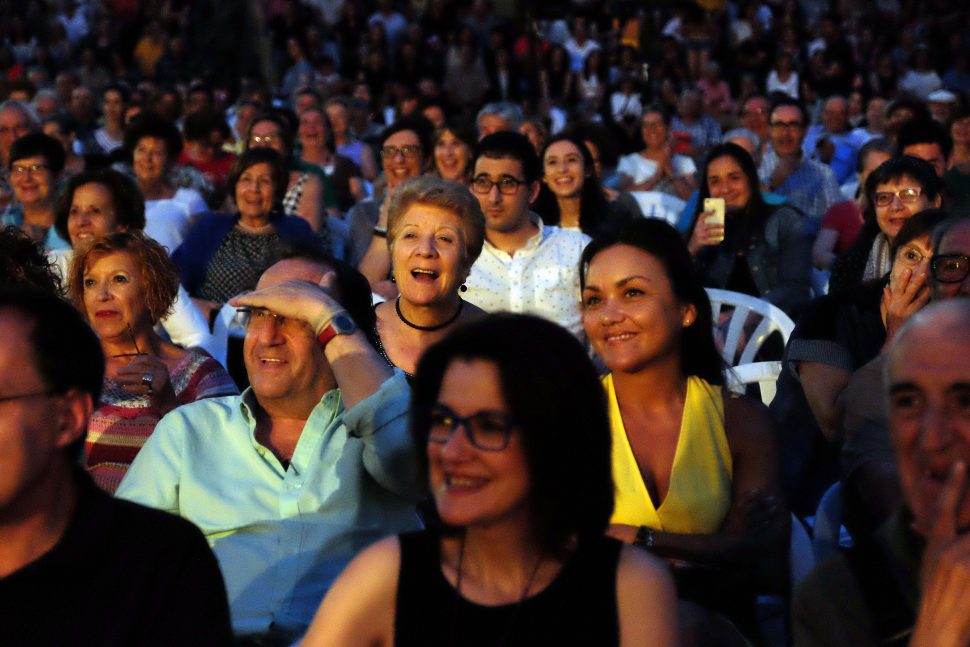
<point x="699" y="494"/>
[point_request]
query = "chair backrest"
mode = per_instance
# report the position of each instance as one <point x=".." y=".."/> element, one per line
<point x="827" y="531"/>
<point x="223" y="327"/>
<point x="764" y="374"/>
<point x="800" y="552"/>
<point x="772" y="319"/>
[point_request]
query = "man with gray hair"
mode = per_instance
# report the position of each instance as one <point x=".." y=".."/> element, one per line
<point x="907" y="583"/>
<point x="834" y="130"/>
<point x="498" y="116"/>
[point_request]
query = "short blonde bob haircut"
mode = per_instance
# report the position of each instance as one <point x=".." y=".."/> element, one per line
<point x="444" y="194"/>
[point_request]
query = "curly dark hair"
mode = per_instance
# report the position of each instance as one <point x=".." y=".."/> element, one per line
<point x="149" y="124"/>
<point x="126" y="198"/>
<point x="159" y="274"/>
<point x="24" y="263"/>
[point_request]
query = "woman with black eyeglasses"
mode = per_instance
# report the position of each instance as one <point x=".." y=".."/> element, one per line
<point x="896" y="190"/>
<point x="405" y="153"/>
<point x="517" y="460"/>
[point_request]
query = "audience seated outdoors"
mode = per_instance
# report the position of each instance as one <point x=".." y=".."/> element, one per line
<point x="311" y="463"/>
<point x="123" y="283"/>
<point x="155" y="579"/>
<point x="759" y="250"/>
<point x="695" y="467"/>
<point x="907" y="581"/>
<point x="515" y="549"/>
<point x="424" y="166"/>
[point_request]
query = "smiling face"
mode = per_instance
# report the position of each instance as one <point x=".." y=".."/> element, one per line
<point x="400" y="167"/>
<point x="114" y="295"/>
<point x="451" y="156"/>
<point x="726" y="179"/>
<point x="267" y="134"/>
<point x="630" y="313"/>
<point x="929" y="407"/>
<point x="285" y="364"/>
<point x="564" y="170"/>
<point x="653" y="129"/>
<point x="92" y="214"/>
<point x="787" y="130"/>
<point x="427" y="254"/>
<point x="150" y="161"/>
<point x="313" y="129"/>
<point x="32" y="187"/>
<point x="254" y="194"/>
<point x="473" y="487"/>
<point x="892" y="216"/>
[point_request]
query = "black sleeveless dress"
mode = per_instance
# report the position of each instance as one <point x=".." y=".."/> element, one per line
<point x="577" y="608"/>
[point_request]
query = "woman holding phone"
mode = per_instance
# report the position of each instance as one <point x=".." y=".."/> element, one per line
<point x="755" y="249"/>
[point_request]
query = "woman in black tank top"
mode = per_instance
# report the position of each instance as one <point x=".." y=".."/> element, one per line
<point x="510" y="419"/>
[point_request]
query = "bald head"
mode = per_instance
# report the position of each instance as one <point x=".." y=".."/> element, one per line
<point x="301" y="269"/>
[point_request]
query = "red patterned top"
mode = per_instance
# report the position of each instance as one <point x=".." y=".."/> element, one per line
<point x="122" y="421"/>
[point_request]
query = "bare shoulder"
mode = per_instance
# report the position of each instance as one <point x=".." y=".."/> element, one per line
<point x="359" y="607"/>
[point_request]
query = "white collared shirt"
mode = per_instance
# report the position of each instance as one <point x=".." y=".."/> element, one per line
<point x="542" y="278"/>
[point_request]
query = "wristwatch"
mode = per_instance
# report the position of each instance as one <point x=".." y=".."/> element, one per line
<point x="644" y="538"/>
<point x="340" y="324"/>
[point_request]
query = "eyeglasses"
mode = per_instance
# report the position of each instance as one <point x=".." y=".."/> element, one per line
<point x="489" y="431"/>
<point x="950" y="268"/>
<point x="790" y="125"/>
<point x="253" y="318"/>
<point x="906" y="196"/>
<point x="410" y="151"/>
<point x="21" y="169"/>
<point x="507" y="185"/>
<point x="32" y="394"/>
<point x="265" y="139"/>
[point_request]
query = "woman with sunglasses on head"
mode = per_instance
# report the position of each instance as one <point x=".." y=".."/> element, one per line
<point x="896" y="190"/>
<point x="515" y="441"/>
<point x="124" y="283"/>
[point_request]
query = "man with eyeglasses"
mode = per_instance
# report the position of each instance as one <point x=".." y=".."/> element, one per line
<point x="310" y="464"/>
<point x="404" y="152"/>
<point x="525" y="266"/>
<point x="809" y="185"/>
<point x="16" y="120"/>
<point x="78" y="567"/>
<point x="950" y="264"/>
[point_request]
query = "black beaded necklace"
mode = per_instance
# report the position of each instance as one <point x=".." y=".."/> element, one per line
<point x="411" y="324"/>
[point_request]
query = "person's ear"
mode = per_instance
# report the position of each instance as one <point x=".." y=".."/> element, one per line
<point x="938" y="200"/>
<point x="534" y="191"/>
<point x="690" y="315"/>
<point x="74" y="409"/>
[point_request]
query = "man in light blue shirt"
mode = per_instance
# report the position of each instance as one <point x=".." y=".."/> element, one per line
<point x="310" y="464"/>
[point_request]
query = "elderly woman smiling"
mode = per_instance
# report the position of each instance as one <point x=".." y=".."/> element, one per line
<point x="435" y="232"/>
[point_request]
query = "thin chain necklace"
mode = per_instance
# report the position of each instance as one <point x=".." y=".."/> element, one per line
<point x="515" y="612"/>
<point x="411" y="324"/>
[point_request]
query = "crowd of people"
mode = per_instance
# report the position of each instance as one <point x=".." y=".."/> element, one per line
<point x="380" y="322"/>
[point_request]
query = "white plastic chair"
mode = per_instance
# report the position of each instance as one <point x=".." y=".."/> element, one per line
<point x="223" y="327"/>
<point x="772" y="319"/>
<point x="764" y="374"/>
<point x="828" y="533"/>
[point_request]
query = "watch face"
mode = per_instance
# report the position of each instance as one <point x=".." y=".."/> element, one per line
<point x="343" y="324"/>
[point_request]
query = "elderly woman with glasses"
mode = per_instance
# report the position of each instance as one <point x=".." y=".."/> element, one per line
<point x="896" y="190"/>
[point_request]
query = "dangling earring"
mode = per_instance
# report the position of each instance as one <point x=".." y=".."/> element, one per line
<point x="463" y="288"/>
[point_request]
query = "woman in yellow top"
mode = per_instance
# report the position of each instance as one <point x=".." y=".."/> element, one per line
<point x="695" y="469"/>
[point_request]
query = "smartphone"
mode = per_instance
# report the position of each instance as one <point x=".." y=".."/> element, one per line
<point x="715" y="205"/>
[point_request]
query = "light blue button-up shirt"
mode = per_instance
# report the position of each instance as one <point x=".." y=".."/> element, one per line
<point x="282" y="534"/>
